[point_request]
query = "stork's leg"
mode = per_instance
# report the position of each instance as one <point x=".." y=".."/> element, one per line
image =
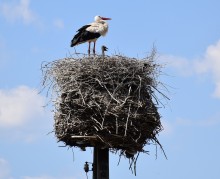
<point x="94" y="48"/>
<point x="89" y="49"/>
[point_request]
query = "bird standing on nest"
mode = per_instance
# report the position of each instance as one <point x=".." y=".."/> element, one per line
<point x="91" y="32"/>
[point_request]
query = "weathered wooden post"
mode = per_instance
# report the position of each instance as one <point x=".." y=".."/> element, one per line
<point x="101" y="163"/>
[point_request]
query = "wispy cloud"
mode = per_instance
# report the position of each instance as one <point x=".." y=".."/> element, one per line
<point x="4" y="169"/>
<point x="46" y="177"/>
<point x="6" y="173"/>
<point x="19" y="105"/>
<point x="18" y="12"/>
<point x="41" y="177"/>
<point x="171" y="127"/>
<point x="167" y="127"/>
<point x="209" y="63"/>
<point x="181" y="64"/>
<point x="209" y="122"/>
<point x="58" y="23"/>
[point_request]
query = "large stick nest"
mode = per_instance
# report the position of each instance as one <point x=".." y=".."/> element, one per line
<point x="107" y="102"/>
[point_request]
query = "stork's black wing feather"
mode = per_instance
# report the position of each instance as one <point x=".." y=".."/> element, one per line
<point x="83" y="28"/>
<point x="83" y="36"/>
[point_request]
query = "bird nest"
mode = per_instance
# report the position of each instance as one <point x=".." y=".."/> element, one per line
<point x="105" y="102"/>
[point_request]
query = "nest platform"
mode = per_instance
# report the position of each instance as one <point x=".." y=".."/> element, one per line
<point x="107" y="103"/>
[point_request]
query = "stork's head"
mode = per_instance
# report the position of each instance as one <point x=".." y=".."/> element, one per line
<point x="99" y="18"/>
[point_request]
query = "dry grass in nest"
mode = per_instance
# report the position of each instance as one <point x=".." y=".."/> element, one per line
<point x="107" y="102"/>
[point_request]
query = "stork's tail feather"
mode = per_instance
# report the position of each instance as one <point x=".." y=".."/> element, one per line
<point x="77" y="39"/>
<point x="73" y="42"/>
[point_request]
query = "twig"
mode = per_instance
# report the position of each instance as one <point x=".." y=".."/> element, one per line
<point x="126" y="125"/>
<point x="83" y="137"/>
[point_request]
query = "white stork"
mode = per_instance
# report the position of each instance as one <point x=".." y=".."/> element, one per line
<point x="91" y="32"/>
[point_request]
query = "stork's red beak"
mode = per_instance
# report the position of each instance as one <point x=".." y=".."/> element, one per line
<point x="105" y="18"/>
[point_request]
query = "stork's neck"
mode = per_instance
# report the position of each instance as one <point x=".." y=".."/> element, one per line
<point x="104" y="28"/>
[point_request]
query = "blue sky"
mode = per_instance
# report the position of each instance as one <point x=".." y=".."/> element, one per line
<point x="187" y="37"/>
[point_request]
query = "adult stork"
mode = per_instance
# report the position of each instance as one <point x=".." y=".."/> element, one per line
<point x="91" y="32"/>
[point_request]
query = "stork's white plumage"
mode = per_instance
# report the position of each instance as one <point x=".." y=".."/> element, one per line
<point x="91" y="32"/>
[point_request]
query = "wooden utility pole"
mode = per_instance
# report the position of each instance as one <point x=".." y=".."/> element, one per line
<point x="101" y="156"/>
<point x="100" y="163"/>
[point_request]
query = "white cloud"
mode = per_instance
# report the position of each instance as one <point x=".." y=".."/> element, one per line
<point x="58" y="23"/>
<point x="42" y="177"/>
<point x="167" y="128"/>
<point x="217" y="89"/>
<point x="209" y="63"/>
<point x="4" y="169"/>
<point x="19" y="105"/>
<point x="46" y="177"/>
<point x="18" y="11"/>
<point x="171" y="127"/>
<point x="209" y="122"/>
<point x="5" y="173"/>
<point x="182" y="65"/>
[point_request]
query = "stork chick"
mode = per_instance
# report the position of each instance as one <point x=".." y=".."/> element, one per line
<point x="104" y="48"/>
